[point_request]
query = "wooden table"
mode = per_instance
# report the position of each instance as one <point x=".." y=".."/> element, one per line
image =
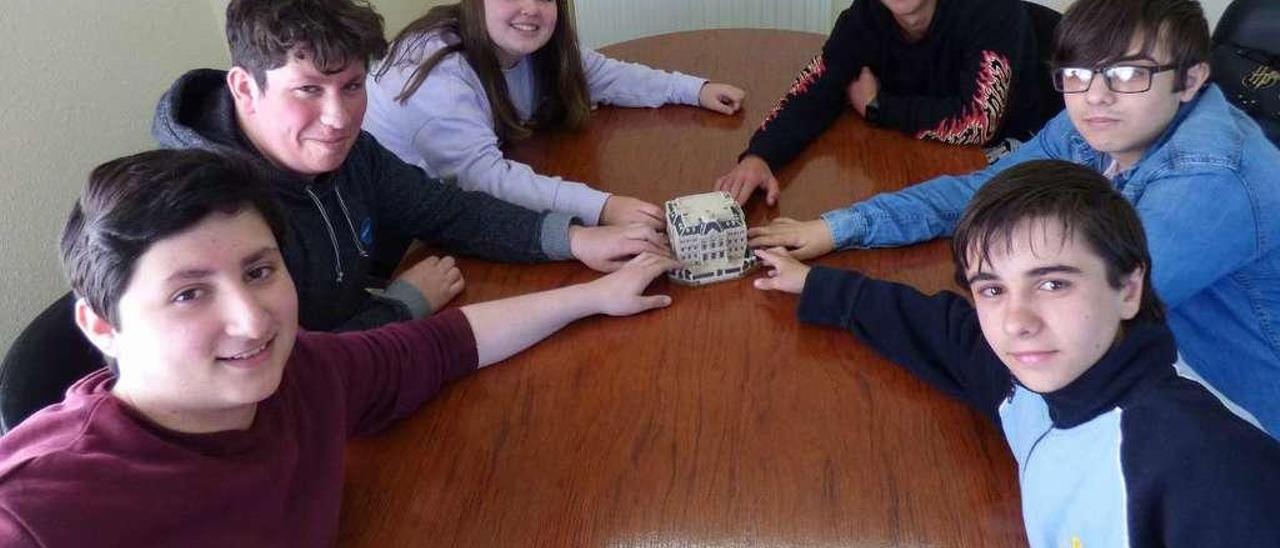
<point x="719" y="421"/>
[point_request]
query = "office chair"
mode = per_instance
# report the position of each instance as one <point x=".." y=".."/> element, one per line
<point x="1044" y="24"/>
<point x="43" y="362"/>
<point x="1246" y="60"/>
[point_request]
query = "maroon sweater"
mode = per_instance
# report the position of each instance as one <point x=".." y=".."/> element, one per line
<point x="91" y="472"/>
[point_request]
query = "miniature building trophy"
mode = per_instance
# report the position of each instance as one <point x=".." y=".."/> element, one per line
<point x="708" y="233"/>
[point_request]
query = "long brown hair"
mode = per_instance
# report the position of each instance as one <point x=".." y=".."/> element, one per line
<point x="563" y="101"/>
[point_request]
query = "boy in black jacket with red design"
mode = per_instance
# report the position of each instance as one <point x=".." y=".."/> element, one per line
<point x="957" y="71"/>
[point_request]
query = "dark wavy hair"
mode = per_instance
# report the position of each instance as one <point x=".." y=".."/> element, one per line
<point x="1096" y="32"/>
<point x="1078" y="197"/>
<point x="263" y="34"/>
<point x="563" y="99"/>
<point x="133" y="202"/>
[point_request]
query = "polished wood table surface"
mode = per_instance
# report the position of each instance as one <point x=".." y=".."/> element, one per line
<point x="719" y="421"/>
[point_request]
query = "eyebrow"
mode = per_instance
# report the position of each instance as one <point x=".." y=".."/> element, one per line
<point x="260" y="254"/>
<point x="1033" y="273"/>
<point x="198" y="273"/>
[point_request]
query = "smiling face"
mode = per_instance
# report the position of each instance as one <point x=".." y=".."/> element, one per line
<point x="304" y="121"/>
<point x="205" y="326"/>
<point x="1045" y="305"/>
<point x="519" y="27"/>
<point x="1123" y="125"/>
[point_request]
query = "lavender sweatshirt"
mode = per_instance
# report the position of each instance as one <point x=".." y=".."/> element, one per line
<point x="446" y="127"/>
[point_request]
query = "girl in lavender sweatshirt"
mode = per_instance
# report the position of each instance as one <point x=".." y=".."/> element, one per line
<point x="466" y="77"/>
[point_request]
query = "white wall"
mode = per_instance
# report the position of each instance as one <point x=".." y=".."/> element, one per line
<point x="81" y="80"/>
<point x="603" y="22"/>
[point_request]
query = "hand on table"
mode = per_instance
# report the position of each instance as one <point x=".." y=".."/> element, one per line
<point x="608" y="248"/>
<point x="622" y="292"/>
<point x="750" y="173"/>
<point x="624" y="210"/>
<point x="785" y="273"/>
<point x="863" y="90"/>
<point x="436" y="278"/>
<point x="804" y="240"/>
<point x="722" y="98"/>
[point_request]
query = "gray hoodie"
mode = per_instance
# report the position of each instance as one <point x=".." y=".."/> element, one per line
<point x="341" y="221"/>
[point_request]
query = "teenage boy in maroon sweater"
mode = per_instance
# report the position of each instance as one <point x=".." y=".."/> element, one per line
<point x="219" y="423"/>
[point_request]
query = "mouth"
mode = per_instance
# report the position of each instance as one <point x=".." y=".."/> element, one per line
<point x="1101" y="121"/>
<point x="526" y="27"/>
<point x="333" y="141"/>
<point x="1034" y="357"/>
<point x="251" y="357"/>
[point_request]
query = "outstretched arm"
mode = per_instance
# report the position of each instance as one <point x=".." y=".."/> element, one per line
<point x="505" y="327"/>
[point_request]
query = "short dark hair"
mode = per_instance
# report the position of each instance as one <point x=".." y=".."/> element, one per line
<point x="1097" y="32"/>
<point x="132" y="202"/>
<point x="1078" y="197"/>
<point x="263" y="34"/>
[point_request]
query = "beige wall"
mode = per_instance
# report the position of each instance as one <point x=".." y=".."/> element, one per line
<point x="81" y="79"/>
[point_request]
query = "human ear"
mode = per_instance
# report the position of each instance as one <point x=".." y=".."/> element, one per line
<point x="1131" y="293"/>
<point x="95" y="328"/>
<point x="1197" y="75"/>
<point x="244" y="89"/>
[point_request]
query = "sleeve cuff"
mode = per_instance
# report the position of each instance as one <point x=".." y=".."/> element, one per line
<point x="464" y="356"/>
<point x="408" y="295"/>
<point x="686" y="89"/>
<point x="848" y="227"/>
<point x="827" y="292"/>
<point x="555" y="236"/>
<point x="581" y="201"/>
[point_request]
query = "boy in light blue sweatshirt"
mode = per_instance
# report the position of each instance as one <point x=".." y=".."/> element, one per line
<point x="1066" y="350"/>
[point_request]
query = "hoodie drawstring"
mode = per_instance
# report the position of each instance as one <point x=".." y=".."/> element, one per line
<point x="333" y="236"/>
<point x="347" y="213"/>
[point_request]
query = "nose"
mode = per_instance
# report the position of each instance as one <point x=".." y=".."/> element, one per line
<point x="245" y="314"/>
<point x="1099" y="93"/>
<point x="527" y="6"/>
<point x="1021" y="319"/>
<point x="335" y="112"/>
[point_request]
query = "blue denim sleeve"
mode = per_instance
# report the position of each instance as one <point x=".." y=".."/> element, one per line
<point x="1193" y="244"/>
<point x="930" y="209"/>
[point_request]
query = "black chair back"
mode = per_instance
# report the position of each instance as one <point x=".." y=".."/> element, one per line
<point x="1044" y="24"/>
<point x="1246" y="60"/>
<point x="49" y="355"/>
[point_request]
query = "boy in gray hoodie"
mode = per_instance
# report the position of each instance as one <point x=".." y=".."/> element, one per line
<point x="293" y="101"/>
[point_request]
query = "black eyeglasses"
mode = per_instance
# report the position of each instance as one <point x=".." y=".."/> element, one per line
<point x="1119" y="78"/>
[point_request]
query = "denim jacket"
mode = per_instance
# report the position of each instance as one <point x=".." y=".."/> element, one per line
<point x="1208" y="194"/>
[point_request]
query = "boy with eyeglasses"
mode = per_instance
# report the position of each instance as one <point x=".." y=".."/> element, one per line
<point x="1199" y="172"/>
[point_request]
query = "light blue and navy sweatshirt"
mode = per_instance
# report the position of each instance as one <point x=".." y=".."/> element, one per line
<point x="1128" y="454"/>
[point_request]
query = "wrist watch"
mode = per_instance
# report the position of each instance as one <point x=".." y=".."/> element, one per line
<point x="872" y="110"/>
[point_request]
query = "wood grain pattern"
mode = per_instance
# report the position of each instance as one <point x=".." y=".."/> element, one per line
<point x="719" y="421"/>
